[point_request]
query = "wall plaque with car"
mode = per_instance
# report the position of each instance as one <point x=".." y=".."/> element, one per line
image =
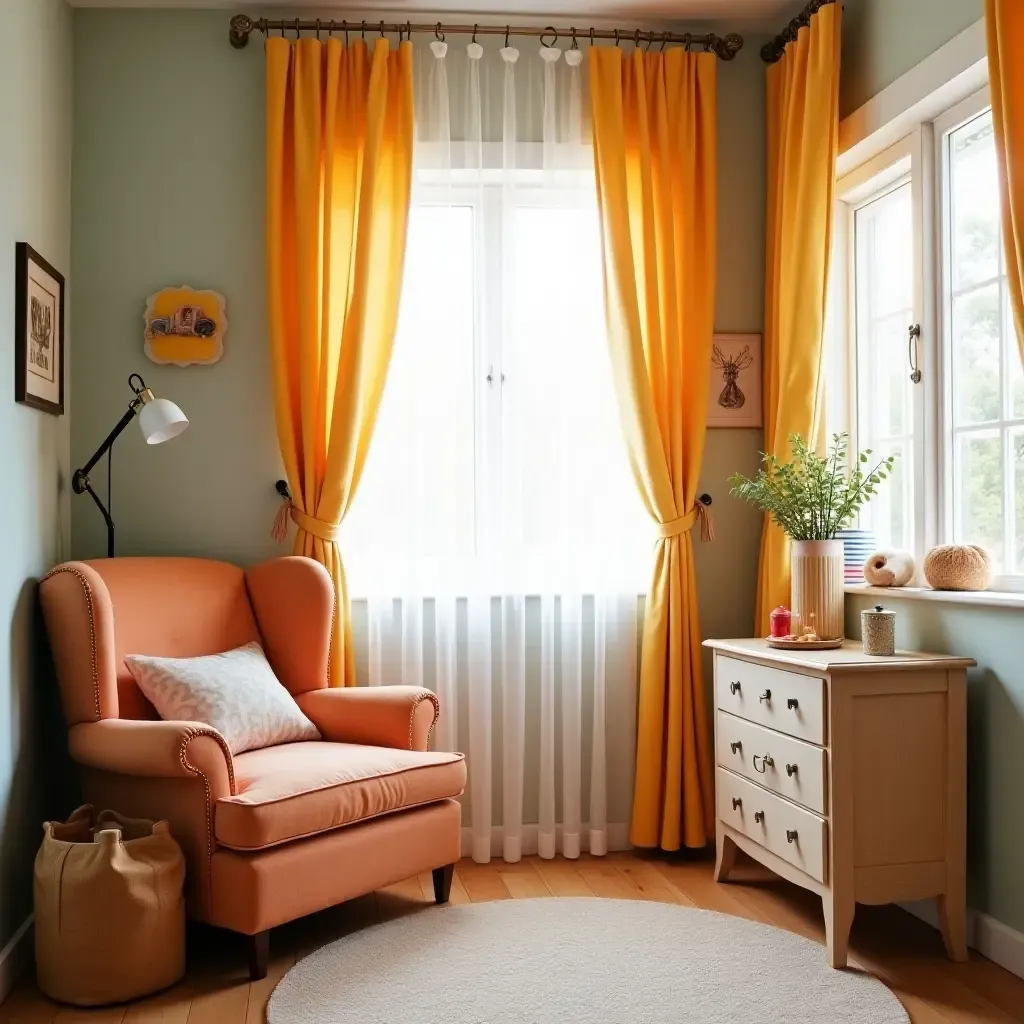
<point x="185" y="326"/>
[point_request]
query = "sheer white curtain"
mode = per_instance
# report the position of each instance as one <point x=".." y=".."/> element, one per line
<point x="497" y="538"/>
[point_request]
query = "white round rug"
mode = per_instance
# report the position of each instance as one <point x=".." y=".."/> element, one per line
<point x="572" y="961"/>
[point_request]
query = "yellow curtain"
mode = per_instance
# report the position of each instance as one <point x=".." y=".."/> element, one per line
<point x="803" y="142"/>
<point x="339" y="171"/>
<point x="655" y="163"/>
<point x="1004" y="20"/>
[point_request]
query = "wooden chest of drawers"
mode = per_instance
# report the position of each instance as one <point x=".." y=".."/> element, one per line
<point x="847" y="775"/>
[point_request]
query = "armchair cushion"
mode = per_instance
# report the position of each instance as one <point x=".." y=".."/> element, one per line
<point x="235" y="692"/>
<point x="301" y="789"/>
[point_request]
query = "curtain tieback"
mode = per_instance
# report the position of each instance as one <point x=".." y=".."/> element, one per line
<point x="317" y="527"/>
<point x="700" y="513"/>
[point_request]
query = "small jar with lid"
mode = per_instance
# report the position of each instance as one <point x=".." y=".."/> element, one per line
<point x="878" y="629"/>
<point x="781" y="622"/>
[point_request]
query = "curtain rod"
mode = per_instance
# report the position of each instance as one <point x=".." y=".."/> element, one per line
<point x="773" y="50"/>
<point x="242" y="26"/>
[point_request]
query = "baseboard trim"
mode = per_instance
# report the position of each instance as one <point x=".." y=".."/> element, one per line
<point x="614" y="837"/>
<point x="16" y="957"/>
<point x="998" y="942"/>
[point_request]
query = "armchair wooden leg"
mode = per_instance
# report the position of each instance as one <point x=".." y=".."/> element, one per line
<point x="258" y="950"/>
<point x="443" y="882"/>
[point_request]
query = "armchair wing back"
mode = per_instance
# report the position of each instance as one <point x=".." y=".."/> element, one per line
<point x="97" y="612"/>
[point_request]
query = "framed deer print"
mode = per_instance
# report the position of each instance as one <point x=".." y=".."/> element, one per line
<point x="38" y="332"/>
<point x="734" y="399"/>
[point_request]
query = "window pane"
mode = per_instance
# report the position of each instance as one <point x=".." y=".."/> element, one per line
<point x="974" y="203"/>
<point x="1017" y="446"/>
<point x="976" y="341"/>
<point x="1013" y="360"/>
<point x="885" y="395"/>
<point x="563" y="434"/>
<point x="417" y="492"/>
<point x="979" y="498"/>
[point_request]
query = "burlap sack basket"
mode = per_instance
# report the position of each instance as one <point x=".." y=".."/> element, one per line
<point x="110" y="914"/>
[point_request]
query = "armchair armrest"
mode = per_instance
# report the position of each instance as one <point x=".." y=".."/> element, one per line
<point x="379" y="716"/>
<point x="164" y="750"/>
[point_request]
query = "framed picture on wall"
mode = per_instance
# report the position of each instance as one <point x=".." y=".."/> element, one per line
<point x="734" y="398"/>
<point x="38" y="332"/>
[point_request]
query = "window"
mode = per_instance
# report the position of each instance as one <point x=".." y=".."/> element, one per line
<point x="927" y="367"/>
<point x="498" y="464"/>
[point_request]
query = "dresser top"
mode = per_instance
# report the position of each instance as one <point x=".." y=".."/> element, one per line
<point x="850" y="657"/>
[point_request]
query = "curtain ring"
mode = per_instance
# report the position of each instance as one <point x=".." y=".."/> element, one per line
<point x="708" y="42"/>
<point x="636" y="39"/>
<point x="438" y="34"/>
<point x="591" y="35"/>
<point x="664" y="41"/>
<point x="616" y="37"/>
<point x="408" y="32"/>
<point x="363" y="31"/>
<point x="318" y="30"/>
<point x="687" y="40"/>
<point x="330" y="30"/>
<point x="475" y="27"/>
<point x="506" y="36"/>
<point x="575" y="45"/>
<point x="545" y="32"/>
<point x="650" y="39"/>
<point x="382" y="30"/>
<point x="298" y="29"/>
<point x="344" y="26"/>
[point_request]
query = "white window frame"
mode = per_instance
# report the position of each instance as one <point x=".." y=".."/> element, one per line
<point x="957" y="116"/>
<point x="907" y="161"/>
<point x="922" y="158"/>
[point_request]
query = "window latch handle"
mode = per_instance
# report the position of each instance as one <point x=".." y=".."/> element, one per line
<point x="912" y="345"/>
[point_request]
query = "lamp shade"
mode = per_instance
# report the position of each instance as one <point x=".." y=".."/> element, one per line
<point x="160" y="420"/>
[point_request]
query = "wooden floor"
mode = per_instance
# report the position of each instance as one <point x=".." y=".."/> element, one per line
<point x="904" y="953"/>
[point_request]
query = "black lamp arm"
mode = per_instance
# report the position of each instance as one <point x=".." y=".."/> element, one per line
<point x="80" y="481"/>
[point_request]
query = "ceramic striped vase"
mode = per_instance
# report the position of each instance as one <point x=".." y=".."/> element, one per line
<point x="817" y="587"/>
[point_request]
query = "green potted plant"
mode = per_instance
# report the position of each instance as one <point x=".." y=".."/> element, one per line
<point x="811" y="498"/>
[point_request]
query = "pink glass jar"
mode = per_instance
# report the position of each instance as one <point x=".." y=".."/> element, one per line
<point x="780" y="622"/>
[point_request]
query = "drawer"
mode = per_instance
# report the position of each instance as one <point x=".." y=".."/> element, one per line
<point x="788" y="831"/>
<point x="791" y="703"/>
<point x="784" y="765"/>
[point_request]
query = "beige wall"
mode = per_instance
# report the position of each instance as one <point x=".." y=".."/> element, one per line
<point x="35" y="192"/>
<point x="883" y="39"/>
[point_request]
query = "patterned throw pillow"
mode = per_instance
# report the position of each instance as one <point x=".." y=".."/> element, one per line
<point x="236" y="692"/>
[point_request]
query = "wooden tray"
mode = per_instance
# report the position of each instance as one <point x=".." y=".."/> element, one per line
<point x="803" y="645"/>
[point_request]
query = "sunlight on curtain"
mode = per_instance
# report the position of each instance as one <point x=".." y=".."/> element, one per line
<point x="497" y="536"/>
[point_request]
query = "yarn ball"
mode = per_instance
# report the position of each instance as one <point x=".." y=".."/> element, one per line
<point x="889" y="569"/>
<point x="958" y="567"/>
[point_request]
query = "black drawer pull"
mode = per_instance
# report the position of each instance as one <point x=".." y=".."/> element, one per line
<point x="736" y="803"/>
<point x="734" y="688"/>
<point x="766" y="759"/>
<point x="736" y="746"/>
<point x="790" y="835"/>
<point x="791" y="770"/>
<point x="759" y="817"/>
<point x="766" y="697"/>
<point x="792" y="703"/>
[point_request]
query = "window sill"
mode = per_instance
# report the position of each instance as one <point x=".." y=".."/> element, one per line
<point x="984" y="598"/>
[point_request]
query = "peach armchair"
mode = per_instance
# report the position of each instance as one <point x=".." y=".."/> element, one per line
<point x="269" y="835"/>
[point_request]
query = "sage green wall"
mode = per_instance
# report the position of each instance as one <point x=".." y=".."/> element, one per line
<point x="168" y="189"/>
<point x="995" y="739"/>
<point x="35" y="194"/>
<point x="884" y="39"/>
